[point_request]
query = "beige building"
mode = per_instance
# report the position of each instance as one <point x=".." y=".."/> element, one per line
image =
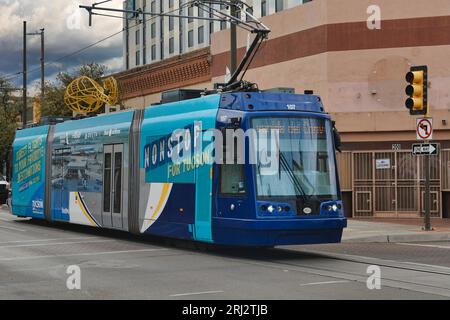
<point x="332" y="47"/>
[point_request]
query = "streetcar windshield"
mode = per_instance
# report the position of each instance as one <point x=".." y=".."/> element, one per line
<point x="305" y="160"/>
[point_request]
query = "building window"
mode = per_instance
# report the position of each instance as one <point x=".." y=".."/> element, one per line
<point x="171" y="23"/>
<point x="263" y="8"/>
<point x="190" y="14"/>
<point x="153" y="7"/>
<point x="211" y="27"/>
<point x="278" y="5"/>
<point x="153" y="30"/>
<point x="200" y="12"/>
<point x="138" y="57"/>
<point x="201" y="34"/>
<point x="250" y="11"/>
<point x="191" y="38"/>
<point x="171" y="45"/>
<point x="170" y="3"/>
<point x="138" y="35"/>
<point x="153" y="52"/>
<point x="223" y="25"/>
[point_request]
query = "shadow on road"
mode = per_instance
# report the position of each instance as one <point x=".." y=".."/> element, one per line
<point x="253" y="253"/>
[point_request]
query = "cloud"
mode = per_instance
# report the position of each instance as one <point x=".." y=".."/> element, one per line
<point x="66" y="31"/>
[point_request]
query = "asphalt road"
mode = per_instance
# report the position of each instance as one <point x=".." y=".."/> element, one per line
<point x="35" y="256"/>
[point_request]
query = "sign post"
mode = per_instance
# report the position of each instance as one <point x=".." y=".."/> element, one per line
<point x="424" y="132"/>
<point x="417" y="103"/>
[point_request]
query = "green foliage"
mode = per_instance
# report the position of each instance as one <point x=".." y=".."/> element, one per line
<point x="53" y="102"/>
<point x="9" y="112"/>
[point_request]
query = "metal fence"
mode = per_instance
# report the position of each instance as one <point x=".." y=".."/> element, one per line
<point x="392" y="183"/>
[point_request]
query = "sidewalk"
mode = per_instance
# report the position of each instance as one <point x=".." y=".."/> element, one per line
<point x="395" y="230"/>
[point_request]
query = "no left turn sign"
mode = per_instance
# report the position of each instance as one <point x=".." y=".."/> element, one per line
<point x="424" y="128"/>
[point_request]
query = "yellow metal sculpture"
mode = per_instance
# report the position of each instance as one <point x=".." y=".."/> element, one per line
<point x="85" y="95"/>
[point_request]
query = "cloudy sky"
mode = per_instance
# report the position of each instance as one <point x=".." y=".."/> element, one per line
<point x="66" y="31"/>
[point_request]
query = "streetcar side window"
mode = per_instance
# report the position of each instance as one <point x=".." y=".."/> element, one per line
<point x="107" y="183"/>
<point x="232" y="179"/>
<point x="118" y="182"/>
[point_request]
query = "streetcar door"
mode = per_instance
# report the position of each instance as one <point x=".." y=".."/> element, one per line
<point x="112" y="215"/>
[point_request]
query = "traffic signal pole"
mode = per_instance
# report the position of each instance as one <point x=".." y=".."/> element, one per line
<point x="427" y="200"/>
<point x="417" y="103"/>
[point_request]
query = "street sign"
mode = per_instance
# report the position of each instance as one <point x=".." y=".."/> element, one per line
<point x="424" y="128"/>
<point x="425" y="149"/>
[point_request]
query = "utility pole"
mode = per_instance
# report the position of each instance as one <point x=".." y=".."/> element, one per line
<point x="42" y="65"/>
<point x="24" y="110"/>
<point x="25" y="34"/>
<point x="233" y="39"/>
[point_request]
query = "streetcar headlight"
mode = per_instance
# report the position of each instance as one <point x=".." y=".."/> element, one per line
<point x="270" y="208"/>
<point x="334" y="207"/>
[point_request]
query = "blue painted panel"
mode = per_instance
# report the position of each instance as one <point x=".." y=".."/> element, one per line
<point x="203" y="208"/>
<point x="28" y="179"/>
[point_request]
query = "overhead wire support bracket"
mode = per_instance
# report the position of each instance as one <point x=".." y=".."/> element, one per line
<point x="250" y="23"/>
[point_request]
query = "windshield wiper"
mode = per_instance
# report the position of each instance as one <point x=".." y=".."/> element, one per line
<point x="294" y="179"/>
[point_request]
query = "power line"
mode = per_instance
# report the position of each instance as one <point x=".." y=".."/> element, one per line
<point x="15" y="75"/>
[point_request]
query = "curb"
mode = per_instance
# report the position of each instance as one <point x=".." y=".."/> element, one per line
<point x="417" y="237"/>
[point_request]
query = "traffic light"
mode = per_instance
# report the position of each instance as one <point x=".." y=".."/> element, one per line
<point x="417" y="102"/>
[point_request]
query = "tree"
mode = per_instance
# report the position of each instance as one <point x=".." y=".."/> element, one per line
<point x="53" y="102"/>
<point x="9" y="112"/>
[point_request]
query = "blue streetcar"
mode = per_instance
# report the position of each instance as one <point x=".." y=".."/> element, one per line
<point x="118" y="171"/>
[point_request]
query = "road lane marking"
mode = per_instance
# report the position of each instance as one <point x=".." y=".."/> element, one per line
<point x="423" y="245"/>
<point x="323" y="282"/>
<point x="378" y="261"/>
<point x="14" y="229"/>
<point x="53" y="243"/>
<point x="427" y="265"/>
<point x="195" y="293"/>
<point x="81" y="254"/>
<point x="45" y="240"/>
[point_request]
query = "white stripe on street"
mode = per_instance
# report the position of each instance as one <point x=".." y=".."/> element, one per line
<point x="7" y="220"/>
<point x="323" y="282"/>
<point x="45" y="240"/>
<point x="423" y="245"/>
<point x="427" y="265"/>
<point x="14" y="229"/>
<point x="53" y="244"/>
<point x="80" y="254"/>
<point x="194" y="293"/>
